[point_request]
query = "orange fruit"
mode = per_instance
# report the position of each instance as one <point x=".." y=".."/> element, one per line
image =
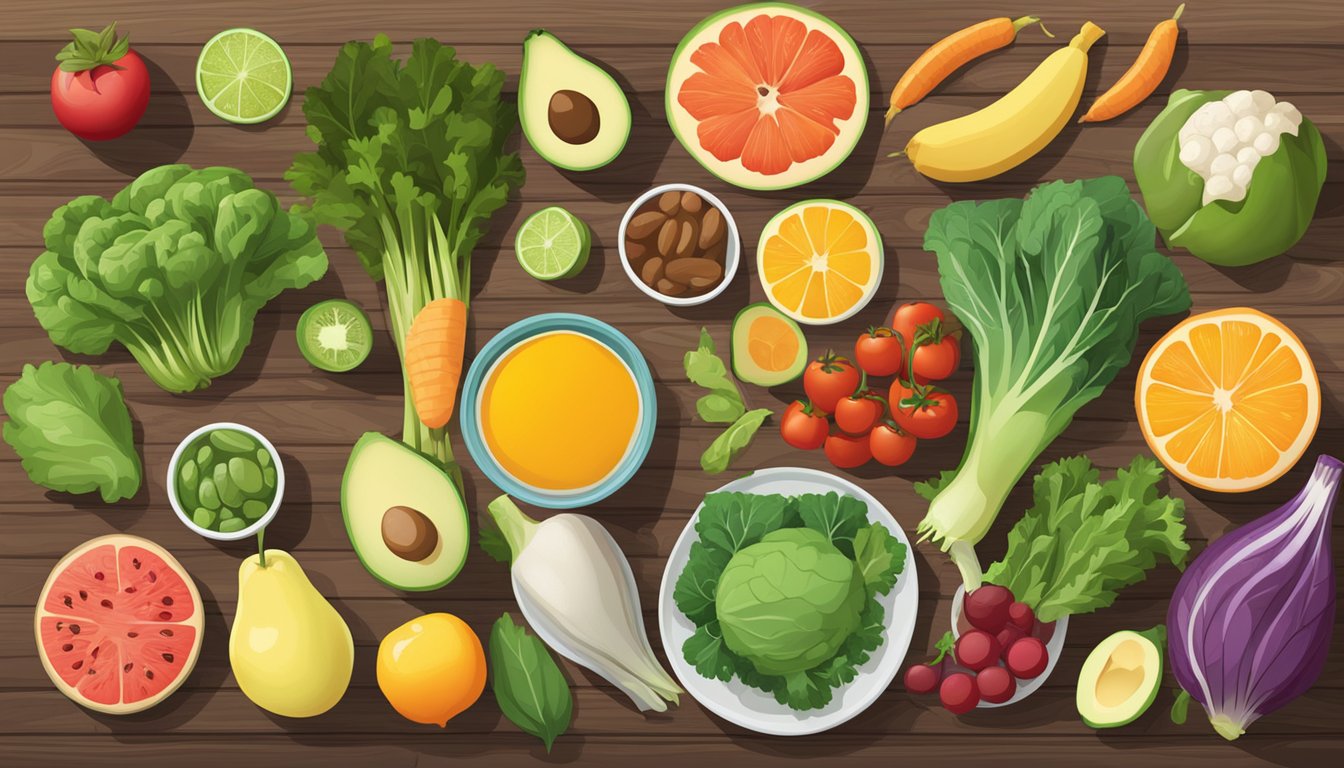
<point x="820" y="261"/>
<point x="1228" y="400"/>
<point x="431" y="668"/>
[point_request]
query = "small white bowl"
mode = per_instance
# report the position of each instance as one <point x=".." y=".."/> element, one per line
<point x="1053" y="647"/>
<point x="731" y="256"/>
<point x="262" y="521"/>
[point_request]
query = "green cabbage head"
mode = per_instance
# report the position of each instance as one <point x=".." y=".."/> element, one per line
<point x="787" y="602"/>
<point x="174" y="268"/>
<point x="1280" y="196"/>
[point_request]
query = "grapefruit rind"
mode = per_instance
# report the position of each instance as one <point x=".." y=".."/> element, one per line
<point x="772" y="228"/>
<point x="1164" y="433"/>
<point x="684" y="126"/>
<point x="50" y="613"/>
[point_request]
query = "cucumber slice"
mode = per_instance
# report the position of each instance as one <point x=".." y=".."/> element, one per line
<point x="334" y="335"/>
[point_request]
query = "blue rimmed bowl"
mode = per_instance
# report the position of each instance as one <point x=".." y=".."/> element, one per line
<point x="519" y="332"/>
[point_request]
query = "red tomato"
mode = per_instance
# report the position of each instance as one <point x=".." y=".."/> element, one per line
<point x="848" y="452"/>
<point x="857" y="415"/>
<point x="803" y="427"/>
<point x="828" y="380"/>
<point x="937" y="348"/>
<point x="108" y="95"/>
<point x="931" y="418"/>
<point x="890" y="446"/>
<point x="879" y="353"/>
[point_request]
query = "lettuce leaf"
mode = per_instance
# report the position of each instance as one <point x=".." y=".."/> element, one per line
<point x="1082" y="541"/>
<point x="72" y="430"/>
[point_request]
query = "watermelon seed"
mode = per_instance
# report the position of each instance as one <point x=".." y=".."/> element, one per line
<point x="166" y="632"/>
<point x="92" y="670"/>
<point x="132" y="634"/>
<point x="149" y="673"/>
<point x="77" y="664"/>
<point x="127" y="668"/>
<point x="168" y="657"/>
<point x="165" y="615"/>
<point x="106" y="604"/>
<point x="59" y="625"/>
<point x="167" y="601"/>
<point x="153" y="577"/>
<point x="83" y="595"/>
<point x="68" y="602"/>
<point x="129" y="590"/>
<point x="135" y="563"/>
<point x="68" y="647"/>
<point x="99" y="576"/>
<point x="94" y="654"/>
<point x="74" y="629"/>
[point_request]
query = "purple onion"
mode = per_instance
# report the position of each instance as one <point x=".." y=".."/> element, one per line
<point x="1250" y="622"/>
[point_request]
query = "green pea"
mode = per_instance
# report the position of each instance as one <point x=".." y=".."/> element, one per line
<point x="269" y="475"/>
<point x="253" y="509"/>
<point x="245" y="474"/>
<point x="187" y="472"/>
<point x="264" y="457"/>
<point x="233" y="441"/>
<point x="203" y="517"/>
<point x="227" y="513"/>
<point x="204" y="455"/>
<point x="232" y="524"/>
<point x="209" y="495"/>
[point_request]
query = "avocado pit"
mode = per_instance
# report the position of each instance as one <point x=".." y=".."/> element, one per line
<point x="574" y="118"/>
<point x="409" y="534"/>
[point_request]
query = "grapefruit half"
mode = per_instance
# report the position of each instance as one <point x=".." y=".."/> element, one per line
<point x="767" y="95"/>
<point x="118" y="624"/>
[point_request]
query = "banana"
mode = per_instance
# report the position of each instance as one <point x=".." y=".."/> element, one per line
<point x="1008" y="132"/>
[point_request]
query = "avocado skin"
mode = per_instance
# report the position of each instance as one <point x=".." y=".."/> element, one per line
<point x="1154" y="642"/>
<point x="743" y="367"/>
<point x="550" y="66"/>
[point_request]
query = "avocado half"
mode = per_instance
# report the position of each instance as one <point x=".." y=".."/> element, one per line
<point x="557" y="82"/>
<point x="768" y="346"/>
<point x="384" y="477"/>
<point x="1120" y="678"/>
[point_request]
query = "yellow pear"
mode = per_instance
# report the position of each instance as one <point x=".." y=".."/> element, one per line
<point x="291" y="652"/>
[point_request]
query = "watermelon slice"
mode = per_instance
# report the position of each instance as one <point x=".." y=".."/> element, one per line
<point x="768" y="95"/>
<point x="118" y="624"/>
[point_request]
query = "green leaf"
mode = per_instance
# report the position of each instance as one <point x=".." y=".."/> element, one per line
<point x="1180" y="707"/>
<point x="1083" y="540"/>
<point x="706" y="369"/>
<point x="730" y="521"/>
<point x="492" y="541"/>
<point x="880" y="557"/>
<point x="838" y="516"/>
<point x="929" y="489"/>
<point x="705" y="651"/>
<point x="695" y="587"/>
<point x="71" y="428"/>
<point x="528" y="685"/>
<point x="726" y="447"/>
<point x="719" y="408"/>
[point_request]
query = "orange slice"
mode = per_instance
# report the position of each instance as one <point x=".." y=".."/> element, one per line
<point x="820" y="261"/>
<point x="1228" y="400"/>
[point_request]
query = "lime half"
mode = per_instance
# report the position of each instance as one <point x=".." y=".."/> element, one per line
<point x="553" y="244"/>
<point x="334" y="335"/>
<point x="243" y="76"/>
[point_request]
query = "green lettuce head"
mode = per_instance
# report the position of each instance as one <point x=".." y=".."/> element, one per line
<point x="174" y="268"/>
<point x="788" y="602"/>
<point x="1230" y="176"/>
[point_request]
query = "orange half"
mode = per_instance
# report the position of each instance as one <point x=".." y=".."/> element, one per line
<point x="820" y="261"/>
<point x="1228" y="400"/>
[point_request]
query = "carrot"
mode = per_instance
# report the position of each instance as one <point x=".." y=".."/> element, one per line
<point x="434" y="349"/>
<point x="951" y="53"/>
<point x="1143" y="76"/>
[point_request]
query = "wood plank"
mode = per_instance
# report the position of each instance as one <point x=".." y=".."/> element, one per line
<point x="596" y="21"/>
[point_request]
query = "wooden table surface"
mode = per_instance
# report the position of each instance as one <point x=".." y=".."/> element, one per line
<point x="1292" y="49"/>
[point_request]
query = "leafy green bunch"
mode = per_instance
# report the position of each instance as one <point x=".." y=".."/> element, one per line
<point x="1083" y="540"/>
<point x="1052" y="289"/>
<point x="411" y="164"/>
<point x="174" y="268"/>
<point x="792" y="545"/>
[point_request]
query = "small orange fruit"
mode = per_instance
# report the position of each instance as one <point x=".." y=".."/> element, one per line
<point x="820" y="261"/>
<point x="432" y="668"/>
<point x="1228" y="400"/>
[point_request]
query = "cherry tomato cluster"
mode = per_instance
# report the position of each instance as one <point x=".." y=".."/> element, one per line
<point x="917" y="346"/>
<point x="1005" y="644"/>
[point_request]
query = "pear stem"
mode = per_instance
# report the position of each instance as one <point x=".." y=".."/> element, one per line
<point x="261" y="549"/>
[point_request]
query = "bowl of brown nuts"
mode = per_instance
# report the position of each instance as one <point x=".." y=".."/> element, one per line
<point x="679" y="244"/>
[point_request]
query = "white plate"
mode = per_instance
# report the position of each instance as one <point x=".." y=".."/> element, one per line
<point x="758" y="710"/>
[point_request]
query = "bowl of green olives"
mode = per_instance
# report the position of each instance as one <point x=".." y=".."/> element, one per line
<point x="225" y="481"/>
